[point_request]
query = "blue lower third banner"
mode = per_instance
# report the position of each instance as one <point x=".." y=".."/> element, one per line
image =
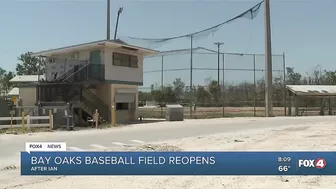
<point x="178" y="163"/>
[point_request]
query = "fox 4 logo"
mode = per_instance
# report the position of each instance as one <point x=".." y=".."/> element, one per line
<point x="319" y="163"/>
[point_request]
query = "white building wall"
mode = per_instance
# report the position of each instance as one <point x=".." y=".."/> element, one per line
<point x="84" y="55"/>
<point x="125" y="115"/>
<point x="28" y="96"/>
<point x="120" y="73"/>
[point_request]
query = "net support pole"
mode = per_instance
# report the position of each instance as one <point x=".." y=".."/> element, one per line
<point x="191" y="75"/>
<point x="218" y="68"/>
<point x="162" y="82"/>
<point x="223" y="94"/>
<point x="268" y="62"/>
<point x="284" y="81"/>
<point x="162" y="71"/>
<point x="218" y="44"/>
<point x="254" y="85"/>
<point x="108" y="17"/>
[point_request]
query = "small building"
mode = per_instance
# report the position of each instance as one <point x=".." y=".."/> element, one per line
<point x="94" y="75"/>
<point x="299" y="95"/>
<point x="25" y="88"/>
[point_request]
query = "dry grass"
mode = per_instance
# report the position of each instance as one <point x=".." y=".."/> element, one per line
<point x="212" y="112"/>
<point x="18" y="131"/>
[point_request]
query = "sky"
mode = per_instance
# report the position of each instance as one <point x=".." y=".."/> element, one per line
<point x="302" y="29"/>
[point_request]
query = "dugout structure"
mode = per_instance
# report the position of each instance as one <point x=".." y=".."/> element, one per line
<point x="311" y="100"/>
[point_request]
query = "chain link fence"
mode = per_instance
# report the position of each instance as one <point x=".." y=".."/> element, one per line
<point x="214" y="85"/>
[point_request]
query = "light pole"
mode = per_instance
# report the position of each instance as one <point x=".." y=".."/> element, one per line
<point x="218" y="44"/>
<point x="116" y="27"/>
<point x="268" y="62"/>
<point x="108" y="22"/>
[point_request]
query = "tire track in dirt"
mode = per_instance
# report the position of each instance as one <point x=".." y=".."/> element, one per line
<point x="275" y="134"/>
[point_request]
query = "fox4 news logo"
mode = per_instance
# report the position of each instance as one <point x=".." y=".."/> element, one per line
<point x="319" y="163"/>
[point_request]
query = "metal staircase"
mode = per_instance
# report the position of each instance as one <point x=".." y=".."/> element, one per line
<point x="92" y="100"/>
<point x="70" y="87"/>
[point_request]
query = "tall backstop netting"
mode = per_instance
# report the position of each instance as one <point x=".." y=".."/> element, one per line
<point x="210" y="84"/>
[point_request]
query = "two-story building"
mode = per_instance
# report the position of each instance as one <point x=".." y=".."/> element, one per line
<point x="95" y="75"/>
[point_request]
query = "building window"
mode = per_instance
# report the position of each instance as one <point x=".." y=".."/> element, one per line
<point x="121" y="106"/>
<point x="125" y="60"/>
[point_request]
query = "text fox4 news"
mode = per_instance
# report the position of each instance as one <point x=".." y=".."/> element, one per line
<point x="318" y="163"/>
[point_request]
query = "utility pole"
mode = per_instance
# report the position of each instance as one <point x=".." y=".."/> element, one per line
<point x="191" y="77"/>
<point x="108" y="22"/>
<point x="116" y="26"/>
<point x="218" y="44"/>
<point x="268" y="62"/>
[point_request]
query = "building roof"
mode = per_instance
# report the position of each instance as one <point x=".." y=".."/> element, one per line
<point x="95" y="44"/>
<point x="313" y="90"/>
<point x="26" y="78"/>
<point x="14" y="92"/>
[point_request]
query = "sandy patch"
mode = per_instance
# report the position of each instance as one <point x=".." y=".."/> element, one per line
<point x="299" y="137"/>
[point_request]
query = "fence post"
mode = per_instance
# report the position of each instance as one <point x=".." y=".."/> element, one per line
<point x="28" y="121"/>
<point x="50" y="120"/>
<point x="66" y="113"/>
<point x="11" y="124"/>
<point x="113" y="116"/>
<point x="23" y="121"/>
<point x="96" y="115"/>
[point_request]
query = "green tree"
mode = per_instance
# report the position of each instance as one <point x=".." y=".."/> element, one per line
<point x="169" y="95"/>
<point x="6" y="85"/>
<point x="2" y="75"/>
<point x="5" y="77"/>
<point x="202" y="95"/>
<point x="179" y="87"/>
<point x="2" y="72"/>
<point x="214" y="90"/>
<point x="29" y="65"/>
<point x="330" y="77"/>
<point x="293" y="78"/>
<point x="145" y="96"/>
<point x="157" y="93"/>
<point x="189" y="95"/>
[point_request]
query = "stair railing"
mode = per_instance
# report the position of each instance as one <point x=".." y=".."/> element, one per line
<point x="74" y="73"/>
<point x="64" y="75"/>
<point x="95" y="98"/>
<point x="96" y="103"/>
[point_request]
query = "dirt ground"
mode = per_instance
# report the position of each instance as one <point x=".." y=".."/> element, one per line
<point x="310" y="137"/>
